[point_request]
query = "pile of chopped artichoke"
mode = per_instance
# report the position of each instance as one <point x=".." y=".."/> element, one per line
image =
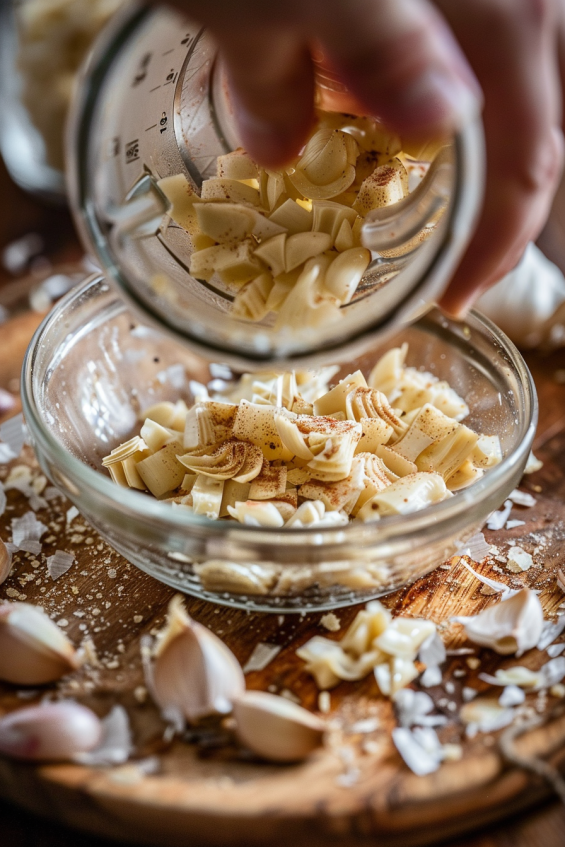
<point x="289" y="242"/>
<point x="286" y="450"/>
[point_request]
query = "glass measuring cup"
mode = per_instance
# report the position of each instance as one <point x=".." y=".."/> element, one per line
<point x="153" y="103"/>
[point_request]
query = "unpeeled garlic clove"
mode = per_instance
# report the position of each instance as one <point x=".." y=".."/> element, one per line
<point x="33" y="650"/>
<point x="194" y="673"/>
<point x="5" y="562"/>
<point x="511" y="626"/>
<point x="275" y="728"/>
<point x="51" y="731"/>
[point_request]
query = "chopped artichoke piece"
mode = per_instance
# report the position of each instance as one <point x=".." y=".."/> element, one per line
<point x="292" y="217"/>
<point x="207" y="497"/>
<point x="229" y="189"/>
<point x="345" y="273"/>
<point x="236" y="165"/>
<point x="303" y="246"/>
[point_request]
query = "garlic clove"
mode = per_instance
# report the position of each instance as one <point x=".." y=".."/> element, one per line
<point x="5" y="562"/>
<point x="194" y="673"/>
<point x="275" y="728"/>
<point x="51" y="731"/>
<point x="511" y="626"/>
<point x="33" y="650"/>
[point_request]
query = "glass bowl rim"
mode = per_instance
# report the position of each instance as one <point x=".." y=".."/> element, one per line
<point x="149" y="509"/>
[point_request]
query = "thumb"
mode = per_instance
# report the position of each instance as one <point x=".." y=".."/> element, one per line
<point x="271" y="80"/>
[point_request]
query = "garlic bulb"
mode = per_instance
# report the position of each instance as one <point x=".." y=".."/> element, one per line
<point x="33" y="650"/>
<point x="511" y="626"/>
<point x="275" y="728"/>
<point x="194" y="673"/>
<point x="526" y="300"/>
<point x="51" y="731"/>
<point x="5" y="562"/>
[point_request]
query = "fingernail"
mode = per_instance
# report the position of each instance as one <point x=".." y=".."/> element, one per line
<point x="438" y="100"/>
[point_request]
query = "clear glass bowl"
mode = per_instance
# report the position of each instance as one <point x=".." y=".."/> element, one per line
<point x="91" y="366"/>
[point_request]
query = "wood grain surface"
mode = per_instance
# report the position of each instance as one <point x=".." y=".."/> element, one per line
<point x="204" y="794"/>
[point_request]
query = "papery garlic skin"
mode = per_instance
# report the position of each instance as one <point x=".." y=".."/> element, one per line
<point x="194" y="673"/>
<point x="5" y="562"/>
<point x="49" y="732"/>
<point x="527" y="301"/>
<point x="33" y="650"/>
<point x="275" y="728"/>
<point x="509" y="627"/>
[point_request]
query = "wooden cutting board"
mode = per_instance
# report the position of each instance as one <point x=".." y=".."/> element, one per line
<point x="205" y="792"/>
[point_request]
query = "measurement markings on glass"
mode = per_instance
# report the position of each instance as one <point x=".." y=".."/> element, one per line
<point x="132" y="151"/>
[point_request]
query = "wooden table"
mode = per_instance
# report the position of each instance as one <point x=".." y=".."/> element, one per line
<point x="20" y="215"/>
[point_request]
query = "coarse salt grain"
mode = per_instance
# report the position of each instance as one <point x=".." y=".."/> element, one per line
<point x="331" y="622"/>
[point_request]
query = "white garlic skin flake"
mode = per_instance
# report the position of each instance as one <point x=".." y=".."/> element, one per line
<point x="49" y="732"/>
<point x="275" y="728"/>
<point x="509" y="627"/>
<point x="33" y="650"/>
<point x="194" y="673"/>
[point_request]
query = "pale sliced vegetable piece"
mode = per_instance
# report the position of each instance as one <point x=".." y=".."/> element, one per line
<point x="132" y="476"/>
<point x="223" y="462"/>
<point x="162" y="413"/>
<point x="256" y="513"/>
<point x="271" y="188"/>
<point x="207" y="496"/>
<point x="334" y="461"/>
<point x="487" y="452"/>
<point x="340" y="495"/>
<point x="326" y="167"/>
<point x="409" y="494"/>
<point x="238" y="265"/>
<point x="272" y="252"/>
<point x="370" y="134"/>
<point x="395" y="462"/>
<point x="384" y="187"/>
<point x="128" y="448"/>
<point x="284" y="283"/>
<point x="256" y="423"/>
<point x="303" y="246"/>
<point x="291" y="436"/>
<point x="250" y="304"/>
<point x="344" y="239"/>
<point x="155" y="435"/>
<point x="328" y="216"/>
<point x="292" y="217"/>
<point x="313" y="513"/>
<point x="226" y="223"/>
<point x="117" y="473"/>
<point x="229" y="189"/>
<point x="183" y="197"/>
<point x="252" y="464"/>
<point x="375" y="432"/>
<point x="232" y="493"/>
<point x="199" y="429"/>
<point x="387" y="372"/>
<point x="376" y="477"/>
<point x="236" y="165"/>
<point x="464" y="476"/>
<point x="162" y="471"/>
<point x="334" y="400"/>
<point x="446" y="456"/>
<point x="188" y="481"/>
<point x="307" y="306"/>
<point x="345" y="273"/>
<point x="270" y="483"/>
<point x="429" y="426"/>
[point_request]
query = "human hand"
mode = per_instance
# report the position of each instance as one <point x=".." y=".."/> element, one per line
<point x="424" y="68"/>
